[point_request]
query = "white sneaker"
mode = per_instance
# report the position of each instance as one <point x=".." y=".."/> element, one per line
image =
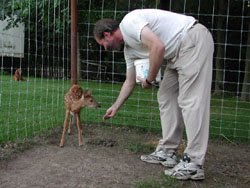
<point x="160" y="157"/>
<point x="185" y="170"/>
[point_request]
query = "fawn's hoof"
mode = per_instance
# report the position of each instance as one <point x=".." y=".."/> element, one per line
<point x="80" y="145"/>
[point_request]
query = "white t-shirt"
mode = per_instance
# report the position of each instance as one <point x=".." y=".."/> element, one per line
<point x="168" y="26"/>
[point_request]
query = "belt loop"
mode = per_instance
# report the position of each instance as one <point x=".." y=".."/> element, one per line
<point x="196" y="22"/>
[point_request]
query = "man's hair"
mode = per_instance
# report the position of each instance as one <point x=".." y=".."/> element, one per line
<point x="105" y="25"/>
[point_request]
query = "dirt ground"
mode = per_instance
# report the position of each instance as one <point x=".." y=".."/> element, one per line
<point x="107" y="160"/>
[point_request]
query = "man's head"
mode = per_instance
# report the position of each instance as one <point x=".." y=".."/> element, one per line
<point x="108" y="35"/>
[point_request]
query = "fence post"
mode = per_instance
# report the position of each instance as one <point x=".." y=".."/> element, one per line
<point x="73" y="47"/>
<point x="78" y="58"/>
<point x="73" y="42"/>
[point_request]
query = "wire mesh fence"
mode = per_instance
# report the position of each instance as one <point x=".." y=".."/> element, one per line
<point x="36" y="104"/>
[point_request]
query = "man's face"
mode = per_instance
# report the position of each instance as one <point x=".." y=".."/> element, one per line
<point x="110" y="42"/>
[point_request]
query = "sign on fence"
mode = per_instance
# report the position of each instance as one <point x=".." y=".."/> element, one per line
<point x="11" y="40"/>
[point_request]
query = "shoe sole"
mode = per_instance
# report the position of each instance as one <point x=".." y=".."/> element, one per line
<point x="189" y="178"/>
<point x="193" y="177"/>
<point x="152" y="161"/>
<point x="160" y="162"/>
<point x="168" y="165"/>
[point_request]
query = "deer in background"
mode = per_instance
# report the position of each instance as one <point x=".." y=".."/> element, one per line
<point x="75" y="100"/>
<point x="18" y="75"/>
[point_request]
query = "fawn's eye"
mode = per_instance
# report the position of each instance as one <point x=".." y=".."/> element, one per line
<point x="91" y="100"/>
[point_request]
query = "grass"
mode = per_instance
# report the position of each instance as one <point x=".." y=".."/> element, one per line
<point x="28" y="108"/>
<point x="163" y="182"/>
<point x="167" y="182"/>
<point x="138" y="147"/>
<point x="230" y="117"/>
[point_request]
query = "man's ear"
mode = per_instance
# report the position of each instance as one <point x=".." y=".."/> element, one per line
<point x="107" y="34"/>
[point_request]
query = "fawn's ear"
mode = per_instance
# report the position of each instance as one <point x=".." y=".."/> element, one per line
<point x="88" y="92"/>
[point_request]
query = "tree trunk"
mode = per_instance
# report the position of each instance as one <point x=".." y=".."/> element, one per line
<point x="245" y="92"/>
<point x="219" y="63"/>
<point x="164" y="4"/>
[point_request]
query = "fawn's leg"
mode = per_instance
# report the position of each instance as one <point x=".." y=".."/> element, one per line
<point x="80" y="125"/>
<point x="64" y="127"/>
<point x="70" y="124"/>
<point x="79" y="129"/>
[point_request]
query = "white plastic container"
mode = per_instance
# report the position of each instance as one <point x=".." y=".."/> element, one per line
<point x="142" y="68"/>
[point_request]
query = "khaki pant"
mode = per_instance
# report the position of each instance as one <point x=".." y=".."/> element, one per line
<point x="184" y="95"/>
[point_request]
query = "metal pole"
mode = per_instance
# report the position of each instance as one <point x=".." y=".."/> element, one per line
<point x="73" y="42"/>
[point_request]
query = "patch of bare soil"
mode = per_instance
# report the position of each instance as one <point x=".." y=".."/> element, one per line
<point x="104" y="161"/>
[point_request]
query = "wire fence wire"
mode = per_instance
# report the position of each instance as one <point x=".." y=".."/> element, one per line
<point x="30" y="107"/>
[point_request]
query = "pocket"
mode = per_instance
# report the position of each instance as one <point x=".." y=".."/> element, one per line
<point x="187" y="44"/>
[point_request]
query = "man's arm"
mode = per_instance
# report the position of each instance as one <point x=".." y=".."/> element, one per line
<point x="156" y="53"/>
<point x="126" y="90"/>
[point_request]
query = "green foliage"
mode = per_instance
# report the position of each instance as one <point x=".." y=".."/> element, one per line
<point x="51" y="14"/>
<point x="47" y="30"/>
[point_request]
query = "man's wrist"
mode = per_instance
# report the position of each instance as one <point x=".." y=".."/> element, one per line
<point x="115" y="106"/>
<point x="149" y="83"/>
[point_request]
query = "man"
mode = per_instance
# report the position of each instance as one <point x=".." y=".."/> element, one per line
<point x="184" y="93"/>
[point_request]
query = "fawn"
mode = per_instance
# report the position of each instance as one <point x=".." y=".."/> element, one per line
<point x="18" y="75"/>
<point x="75" y="100"/>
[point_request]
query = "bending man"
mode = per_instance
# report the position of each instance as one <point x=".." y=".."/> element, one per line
<point x="184" y="93"/>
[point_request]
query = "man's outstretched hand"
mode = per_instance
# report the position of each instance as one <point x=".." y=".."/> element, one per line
<point x="110" y="113"/>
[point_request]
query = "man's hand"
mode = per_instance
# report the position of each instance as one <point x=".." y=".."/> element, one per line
<point x="144" y="84"/>
<point x="110" y="113"/>
<point x="126" y="90"/>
